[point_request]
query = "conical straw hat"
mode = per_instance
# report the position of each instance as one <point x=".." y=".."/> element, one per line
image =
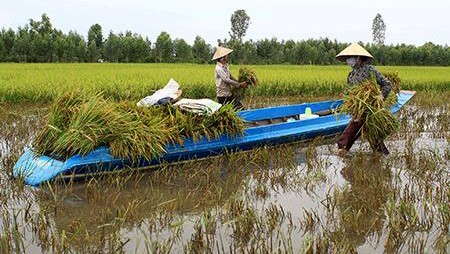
<point x="353" y="50"/>
<point x="221" y="52"/>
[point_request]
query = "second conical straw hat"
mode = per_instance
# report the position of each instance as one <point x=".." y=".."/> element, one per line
<point x="221" y="52"/>
<point x="353" y="50"/>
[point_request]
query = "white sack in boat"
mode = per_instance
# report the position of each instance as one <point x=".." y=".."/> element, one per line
<point x="199" y="106"/>
<point x="171" y="90"/>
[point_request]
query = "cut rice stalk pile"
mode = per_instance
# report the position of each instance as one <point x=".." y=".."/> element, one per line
<point x="223" y="121"/>
<point x="248" y="76"/>
<point x="395" y="80"/>
<point x="79" y="125"/>
<point x="59" y="118"/>
<point x="365" y="101"/>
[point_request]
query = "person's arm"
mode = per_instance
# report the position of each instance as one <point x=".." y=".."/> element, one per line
<point x="241" y="84"/>
<point x="226" y="79"/>
<point x="384" y="83"/>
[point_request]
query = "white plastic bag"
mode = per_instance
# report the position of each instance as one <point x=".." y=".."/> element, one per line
<point x="171" y="90"/>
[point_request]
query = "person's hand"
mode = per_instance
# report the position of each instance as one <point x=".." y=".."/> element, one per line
<point x="243" y="84"/>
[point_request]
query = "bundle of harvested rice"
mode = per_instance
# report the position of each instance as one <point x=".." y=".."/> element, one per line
<point x="129" y="131"/>
<point x="186" y="124"/>
<point x="143" y="132"/>
<point x="190" y="125"/>
<point x="365" y="102"/>
<point x="87" y="129"/>
<point x="224" y="121"/>
<point x="59" y="117"/>
<point x="395" y="80"/>
<point x="248" y="76"/>
<point x="379" y="125"/>
<point x="362" y="99"/>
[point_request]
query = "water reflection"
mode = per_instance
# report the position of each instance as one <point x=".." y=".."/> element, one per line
<point x="101" y="206"/>
<point x="361" y="202"/>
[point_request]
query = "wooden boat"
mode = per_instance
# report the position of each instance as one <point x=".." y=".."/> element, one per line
<point x="266" y="126"/>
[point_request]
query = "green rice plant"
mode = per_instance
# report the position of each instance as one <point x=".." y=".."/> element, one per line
<point x="365" y="102"/>
<point x="46" y="82"/>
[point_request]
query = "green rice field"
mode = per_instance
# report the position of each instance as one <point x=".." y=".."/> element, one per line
<point x="44" y="82"/>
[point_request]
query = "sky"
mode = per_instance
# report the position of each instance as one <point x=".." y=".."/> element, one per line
<point x="407" y="21"/>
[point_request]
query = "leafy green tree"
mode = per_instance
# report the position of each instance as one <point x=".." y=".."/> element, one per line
<point x="269" y="51"/>
<point x="22" y="45"/>
<point x="149" y="55"/>
<point x="378" y="30"/>
<point x="289" y="52"/>
<point x="250" y="57"/>
<point x="239" y="24"/>
<point x="142" y="49"/>
<point x="39" y="41"/>
<point x="201" y="50"/>
<point x="163" y="50"/>
<point x="135" y="48"/>
<point x="93" y="53"/>
<point x="59" y="46"/>
<point x="41" y="35"/>
<point x="3" y="52"/>
<point x="113" y="48"/>
<point x="238" y="50"/>
<point x="8" y="41"/>
<point x="183" y="52"/>
<point x="95" y="43"/>
<point x="44" y="26"/>
<point x="95" y="35"/>
<point x="127" y="42"/>
<point x="75" y="48"/>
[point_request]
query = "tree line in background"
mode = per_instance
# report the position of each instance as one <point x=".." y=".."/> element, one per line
<point x="39" y="41"/>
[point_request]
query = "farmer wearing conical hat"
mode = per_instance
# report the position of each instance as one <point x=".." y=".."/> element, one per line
<point x="357" y="58"/>
<point x="224" y="80"/>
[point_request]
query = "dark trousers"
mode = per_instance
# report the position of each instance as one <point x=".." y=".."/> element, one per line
<point x="231" y="100"/>
<point x="352" y="132"/>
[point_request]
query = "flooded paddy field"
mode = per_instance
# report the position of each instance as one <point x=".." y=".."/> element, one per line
<point x="294" y="198"/>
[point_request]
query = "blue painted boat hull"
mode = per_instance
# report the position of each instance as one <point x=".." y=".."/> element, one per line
<point x="36" y="169"/>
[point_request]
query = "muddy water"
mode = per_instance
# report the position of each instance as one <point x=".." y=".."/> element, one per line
<point x="298" y="197"/>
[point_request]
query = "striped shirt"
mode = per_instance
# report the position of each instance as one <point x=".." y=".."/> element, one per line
<point x="361" y="73"/>
<point x="224" y="81"/>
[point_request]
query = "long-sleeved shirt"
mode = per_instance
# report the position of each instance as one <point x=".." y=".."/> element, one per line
<point x="224" y="81"/>
<point x="361" y="73"/>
